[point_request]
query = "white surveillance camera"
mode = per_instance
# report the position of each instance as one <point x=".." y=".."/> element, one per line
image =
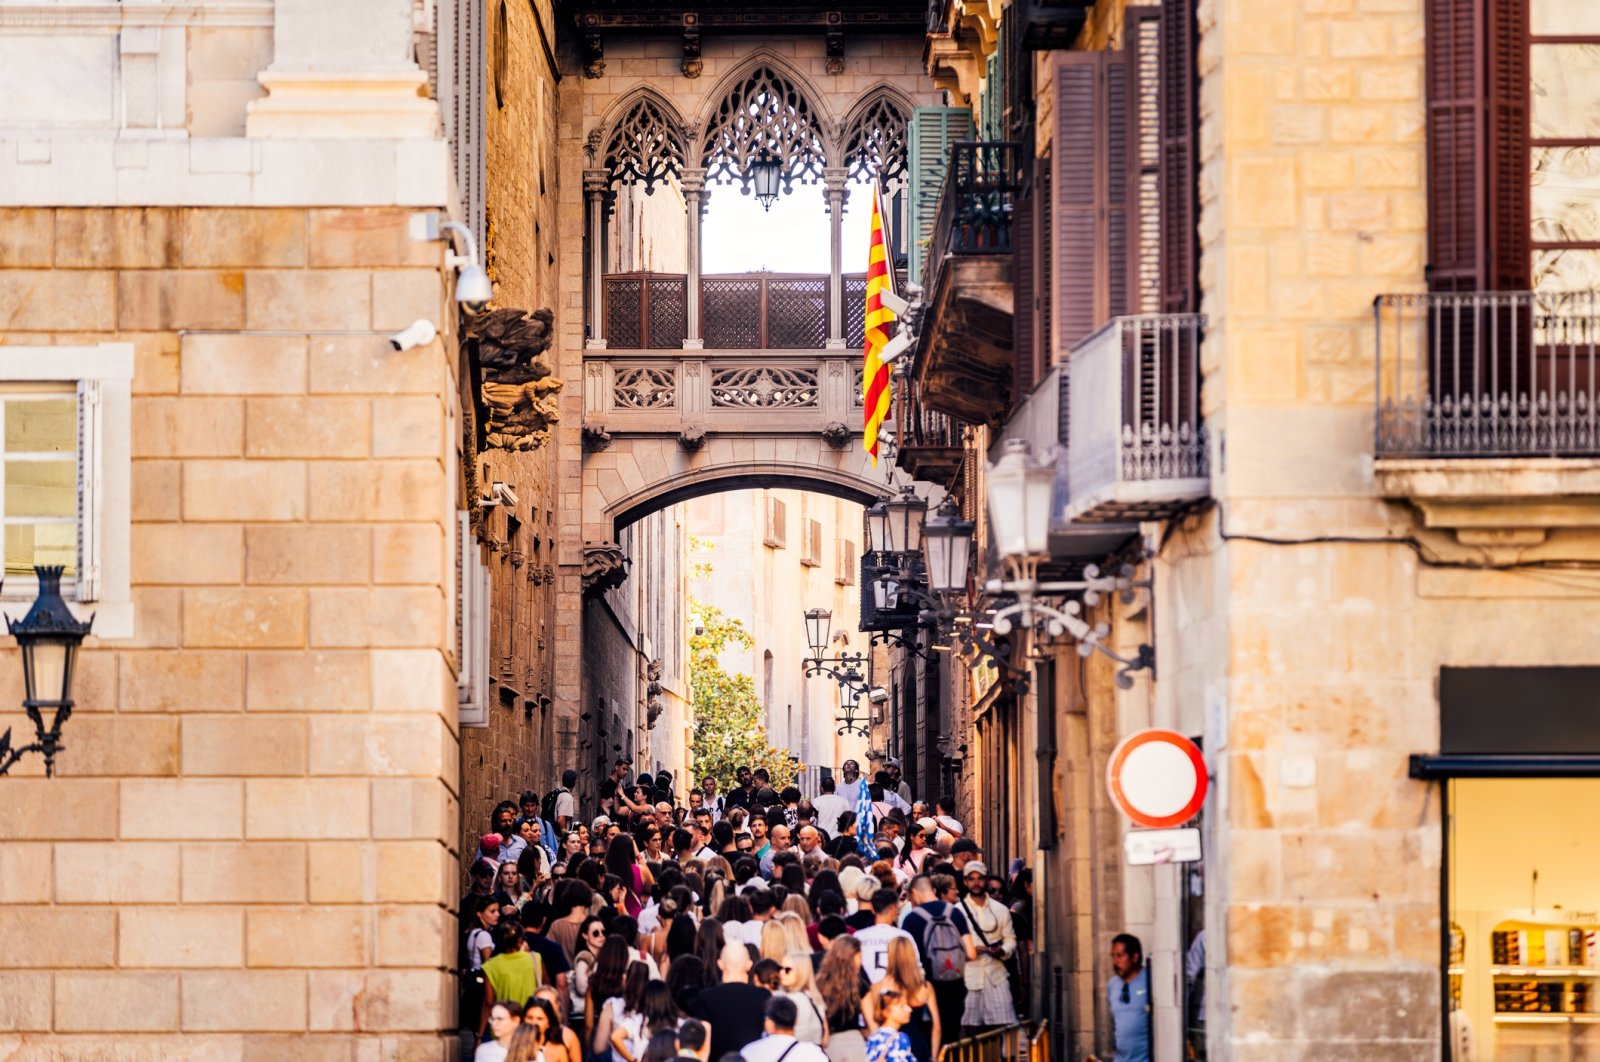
<point x="499" y="494"/>
<point x="895" y="304"/>
<point x="473" y="287"/>
<point x="416" y="334"/>
<point x="878" y="695"/>
<point x="895" y="347"/>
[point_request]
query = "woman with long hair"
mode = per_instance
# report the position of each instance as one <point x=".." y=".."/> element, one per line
<point x="572" y="846"/>
<point x="662" y="1047"/>
<point x="903" y="976"/>
<point x="527" y="1043"/>
<point x="571" y="1043"/>
<point x="915" y="853"/>
<point x="668" y="910"/>
<point x="591" y="936"/>
<point x="505" y="1017"/>
<point x="605" y="982"/>
<point x="624" y="1016"/>
<point x="508" y="880"/>
<point x="685" y="980"/>
<point x="774" y="941"/>
<point x="839" y="984"/>
<point x="659" y="1010"/>
<point x="540" y="1019"/>
<point x="680" y="937"/>
<point x="799" y="983"/>
<point x="622" y="859"/>
<point x="889" y="1043"/>
<point x="483" y="917"/>
<point x="708" y="945"/>
<point x="796" y="904"/>
<point x="795" y="930"/>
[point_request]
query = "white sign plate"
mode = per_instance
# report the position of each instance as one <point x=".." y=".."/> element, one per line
<point x="1147" y="847"/>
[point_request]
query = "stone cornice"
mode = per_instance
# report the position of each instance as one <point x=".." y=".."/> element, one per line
<point x="112" y="17"/>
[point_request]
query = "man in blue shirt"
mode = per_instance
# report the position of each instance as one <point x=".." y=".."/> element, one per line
<point x="1128" y="995"/>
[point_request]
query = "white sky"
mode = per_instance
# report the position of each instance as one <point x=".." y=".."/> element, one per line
<point x="737" y="236"/>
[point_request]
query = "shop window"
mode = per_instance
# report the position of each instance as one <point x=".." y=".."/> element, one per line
<point x="1523" y="955"/>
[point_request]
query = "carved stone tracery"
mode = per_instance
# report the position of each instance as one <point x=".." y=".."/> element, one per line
<point x="876" y="143"/>
<point x="764" y="112"/>
<point x="645" y="147"/>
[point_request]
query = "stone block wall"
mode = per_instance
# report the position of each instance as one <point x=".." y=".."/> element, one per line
<point x="249" y="850"/>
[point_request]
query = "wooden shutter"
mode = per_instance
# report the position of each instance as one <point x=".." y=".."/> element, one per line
<point x="462" y="76"/>
<point x="1089" y="160"/>
<point x="91" y="488"/>
<point x="1025" y="318"/>
<point x="933" y="130"/>
<point x="1180" y="122"/>
<point x="1478" y="214"/>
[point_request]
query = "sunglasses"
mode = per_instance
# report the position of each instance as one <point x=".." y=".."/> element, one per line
<point x="787" y="969"/>
<point x="1125" y="996"/>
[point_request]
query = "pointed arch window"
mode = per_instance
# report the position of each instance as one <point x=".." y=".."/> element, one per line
<point x="645" y="147"/>
<point x="764" y="112"/>
<point x="875" y="146"/>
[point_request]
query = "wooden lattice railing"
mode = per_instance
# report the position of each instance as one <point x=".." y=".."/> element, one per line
<point x="738" y="311"/>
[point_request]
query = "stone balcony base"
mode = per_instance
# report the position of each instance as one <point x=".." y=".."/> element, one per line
<point x="387" y="104"/>
<point x="1510" y="503"/>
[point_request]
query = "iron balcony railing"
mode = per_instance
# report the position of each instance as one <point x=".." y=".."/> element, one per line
<point x="1136" y="443"/>
<point x="738" y="311"/>
<point x="1022" y="1042"/>
<point x="980" y="192"/>
<point x="1488" y="374"/>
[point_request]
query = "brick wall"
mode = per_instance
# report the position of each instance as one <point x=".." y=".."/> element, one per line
<point x="248" y="852"/>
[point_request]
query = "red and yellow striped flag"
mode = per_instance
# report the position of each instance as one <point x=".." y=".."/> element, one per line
<point x="875" y="381"/>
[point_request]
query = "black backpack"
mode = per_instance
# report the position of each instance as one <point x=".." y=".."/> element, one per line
<point x="547" y="807"/>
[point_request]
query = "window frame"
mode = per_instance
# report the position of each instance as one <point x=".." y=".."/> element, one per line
<point x="102" y="375"/>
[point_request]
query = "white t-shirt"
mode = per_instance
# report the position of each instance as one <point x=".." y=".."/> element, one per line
<point x="829" y="807"/>
<point x="566" y="807"/>
<point x="633" y="1023"/>
<point x="650" y="917"/>
<point x="771" y="1048"/>
<point x="478" y="938"/>
<point x="489" y="1051"/>
<point x="874" y="942"/>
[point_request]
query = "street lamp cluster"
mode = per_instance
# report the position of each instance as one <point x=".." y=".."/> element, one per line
<point x="959" y="611"/>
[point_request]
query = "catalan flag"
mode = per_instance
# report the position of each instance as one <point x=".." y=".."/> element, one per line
<point x="875" y="380"/>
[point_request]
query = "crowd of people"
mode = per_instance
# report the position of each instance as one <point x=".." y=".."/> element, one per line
<point x="752" y="925"/>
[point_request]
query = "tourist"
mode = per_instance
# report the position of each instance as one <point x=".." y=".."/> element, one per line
<point x="571" y="1042"/>
<point x="903" y="978"/>
<point x="591" y="935"/>
<point x="779" y="1043"/>
<point x="480" y="938"/>
<point x="874" y="939"/>
<point x="945" y="944"/>
<point x="541" y="1017"/>
<point x="839" y="983"/>
<point x="989" y="1003"/>
<point x="606" y="982"/>
<point x="732" y="1008"/>
<point x="621" y="1023"/>
<point x="566" y="807"/>
<point x="799" y="985"/>
<point x="505" y="1017"/>
<point x="1128" y="998"/>
<point x="513" y="972"/>
<point x="889" y="1043"/>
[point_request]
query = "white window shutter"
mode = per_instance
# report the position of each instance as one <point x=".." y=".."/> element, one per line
<point x="472" y="645"/>
<point x="468" y="96"/>
<point x="91" y="487"/>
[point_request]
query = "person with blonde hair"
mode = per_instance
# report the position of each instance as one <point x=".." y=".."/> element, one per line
<point x="795" y="927"/>
<point x="774" y="940"/>
<point x="798" y="982"/>
<point x="903" y="975"/>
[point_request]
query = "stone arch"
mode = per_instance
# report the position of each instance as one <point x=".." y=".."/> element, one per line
<point x="792" y="118"/>
<point x="639" y="475"/>
<point x="642" y="139"/>
<point x="879" y="119"/>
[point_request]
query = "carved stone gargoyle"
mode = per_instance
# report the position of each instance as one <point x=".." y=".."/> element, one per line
<point x="595" y="438"/>
<point x="836" y="435"/>
<point x="605" y="567"/>
<point x="693" y="438"/>
<point x="518" y="387"/>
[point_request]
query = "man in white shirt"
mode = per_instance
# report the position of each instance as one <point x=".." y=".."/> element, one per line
<point x="830" y="805"/>
<point x="874" y="940"/>
<point x="566" y="809"/>
<point x="849" y="789"/>
<point x="779" y="1042"/>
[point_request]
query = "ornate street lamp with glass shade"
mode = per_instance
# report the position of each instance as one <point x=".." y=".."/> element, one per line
<point x="49" y="637"/>
<point x="1021" y="490"/>
<point x="766" y="173"/>
<point x="845" y="669"/>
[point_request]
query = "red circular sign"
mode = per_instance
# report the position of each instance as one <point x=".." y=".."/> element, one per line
<point x="1158" y="778"/>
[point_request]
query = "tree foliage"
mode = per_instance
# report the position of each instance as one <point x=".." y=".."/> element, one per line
<point x="729" y="731"/>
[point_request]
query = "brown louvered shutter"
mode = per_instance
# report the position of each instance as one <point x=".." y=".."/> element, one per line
<point x="1024" y="318"/>
<point x="1180" y="122"/>
<point x="1141" y="43"/>
<point x="1478" y="176"/>
<point x="1089" y="207"/>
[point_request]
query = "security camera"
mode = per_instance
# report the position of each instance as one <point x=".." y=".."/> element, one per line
<point x="895" y="304"/>
<point x="878" y="695"/>
<point x="896" y="346"/>
<point x="416" y="334"/>
<point x="499" y="494"/>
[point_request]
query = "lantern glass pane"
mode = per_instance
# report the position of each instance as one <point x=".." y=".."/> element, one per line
<point x="49" y="670"/>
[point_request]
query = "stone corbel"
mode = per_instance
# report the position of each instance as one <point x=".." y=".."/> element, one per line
<point x="835" y="43"/>
<point x="692" y="64"/>
<point x="953" y="68"/>
<point x="595" y="438"/>
<point x="594" y="49"/>
<point x="518" y="387"/>
<point x="693" y="438"/>
<point x="605" y="567"/>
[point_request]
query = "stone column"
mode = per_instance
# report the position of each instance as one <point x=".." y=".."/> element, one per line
<point x="833" y="184"/>
<point x="594" y="196"/>
<point x="694" y="198"/>
<point x="343" y="68"/>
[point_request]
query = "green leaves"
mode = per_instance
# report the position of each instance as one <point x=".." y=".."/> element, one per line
<point x="729" y="727"/>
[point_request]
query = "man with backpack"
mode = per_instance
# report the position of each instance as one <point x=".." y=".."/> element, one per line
<point x="944" y="940"/>
<point x="559" y="809"/>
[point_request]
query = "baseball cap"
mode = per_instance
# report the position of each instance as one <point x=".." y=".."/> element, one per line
<point x="975" y="867"/>
<point x="491" y="842"/>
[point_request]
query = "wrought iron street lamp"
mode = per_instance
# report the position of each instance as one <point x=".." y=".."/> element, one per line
<point x="1020" y="494"/>
<point x="850" y="722"/>
<point x="845" y="669"/>
<point x="947" y="549"/>
<point x="766" y="170"/>
<point x="49" y="637"/>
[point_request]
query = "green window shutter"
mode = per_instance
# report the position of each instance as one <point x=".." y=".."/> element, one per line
<point x="933" y="130"/>
<point x="992" y="105"/>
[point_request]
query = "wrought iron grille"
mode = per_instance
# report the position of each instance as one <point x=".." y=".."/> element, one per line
<point x="646" y="311"/>
<point x="1162" y="437"/>
<point x="763" y="387"/>
<point x="855" y="310"/>
<point x="1487" y="374"/>
<point x="981" y="187"/>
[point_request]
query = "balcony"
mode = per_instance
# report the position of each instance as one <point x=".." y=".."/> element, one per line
<point x="738" y="311"/>
<point x="963" y="363"/>
<point x="1136" y="445"/>
<point x="1488" y="375"/>
<point x="931" y="444"/>
<point x="1049" y="24"/>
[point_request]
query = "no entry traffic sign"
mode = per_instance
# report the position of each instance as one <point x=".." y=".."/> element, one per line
<point x="1158" y="778"/>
